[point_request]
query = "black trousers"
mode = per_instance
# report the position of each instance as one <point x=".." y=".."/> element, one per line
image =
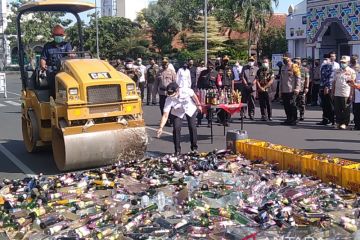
<point x="265" y="104"/>
<point x="327" y="107"/>
<point x="250" y="100"/>
<point x="142" y="90"/>
<point x="162" y="99"/>
<point x="149" y="93"/>
<point x="177" y="131"/>
<point x="356" y="108"/>
<point x="289" y="100"/>
<point x="315" y="93"/>
<point x="342" y="110"/>
<point x="200" y="116"/>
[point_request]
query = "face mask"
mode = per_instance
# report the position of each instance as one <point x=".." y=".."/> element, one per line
<point x="265" y="65"/>
<point x="353" y="62"/>
<point x="59" y="39"/>
<point x="343" y="65"/>
<point x="286" y="62"/>
<point x="139" y="63"/>
<point x="129" y="65"/>
<point x="164" y="66"/>
<point x="304" y="64"/>
<point x="237" y="64"/>
<point x="251" y="64"/>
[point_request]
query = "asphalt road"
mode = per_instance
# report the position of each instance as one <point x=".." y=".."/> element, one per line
<point x="15" y="162"/>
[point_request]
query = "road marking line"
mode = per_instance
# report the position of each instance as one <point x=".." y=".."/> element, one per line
<point x="14" y="93"/>
<point x="154" y="129"/>
<point x="2" y="105"/>
<point x="25" y="169"/>
<point x="13" y="103"/>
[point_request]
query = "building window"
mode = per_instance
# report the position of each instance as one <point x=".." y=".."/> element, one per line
<point x="304" y="20"/>
<point x="292" y="32"/>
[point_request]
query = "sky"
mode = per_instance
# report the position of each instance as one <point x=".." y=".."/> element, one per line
<point x="284" y="5"/>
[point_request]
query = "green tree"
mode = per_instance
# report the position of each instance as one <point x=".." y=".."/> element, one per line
<point x="118" y="37"/>
<point x="161" y="19"/>
<point x="256" y="13"/>
<point x="273" y="40"/>
<point x="35" y="27"/>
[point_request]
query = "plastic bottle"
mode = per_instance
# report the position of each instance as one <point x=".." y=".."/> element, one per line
<point x="161" y="201"/>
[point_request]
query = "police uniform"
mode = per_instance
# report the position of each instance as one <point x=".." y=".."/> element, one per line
<point x="248" y="76"/>
<point x="163" y="79"/>
<point x="264" y="77"/>
<point x="151" y="74"/>
<point x="290" y="81"/>
<point x="180" y="107"/>
<point x="301" y="98"/>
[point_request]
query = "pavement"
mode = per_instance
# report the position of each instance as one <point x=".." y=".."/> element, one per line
<point x="15" y="162"/>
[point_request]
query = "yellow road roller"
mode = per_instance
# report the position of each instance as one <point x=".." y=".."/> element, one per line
<point x="95" y="116"/>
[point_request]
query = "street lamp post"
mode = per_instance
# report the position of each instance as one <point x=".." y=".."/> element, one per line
<point x="3" y="42"/>
<point x="97" y="30"/>
<point x="206" y="31"/>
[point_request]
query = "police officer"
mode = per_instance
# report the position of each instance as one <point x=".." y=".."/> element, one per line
<point x="51" y="55"/>
<point x="304" y="87"/>
<point x="290" y="82"/>
<point x="132" y="71"/>
<point x="151" y="74"/>
<point x="181" y="102"/>
<point x="163" y="79"/>
<point x="228" y="75"/>
<point x="207" y="81"/>
<point x="248" y="76"/>
<point x="264" y="80"/>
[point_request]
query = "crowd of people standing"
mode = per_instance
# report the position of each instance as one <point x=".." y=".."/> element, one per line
<point x="300" y="82"/>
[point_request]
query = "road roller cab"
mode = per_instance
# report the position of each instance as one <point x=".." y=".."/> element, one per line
<point x="96" y="116"/>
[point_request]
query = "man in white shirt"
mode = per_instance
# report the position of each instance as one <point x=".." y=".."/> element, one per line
<point x="142" y="79"/>
<point x="343" y="79"/>
<point x="335" y="67"/>
<point x="181" y="102"/>
<point x="183" y="77"/>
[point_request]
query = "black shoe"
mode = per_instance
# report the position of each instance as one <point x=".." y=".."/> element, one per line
<point x="263" y="118"/>
<point x="324" y="123"/>
<point x="154" y="103"/>
<point x="252" y="118"/>
<point x="194" y="149"/>
<point x="177" y="153"/>
<point x="147" y="104"/>
<point x="301" y="119"/>
<point x="270" y="119"/>
<point x="209" y="125"/>
<point x="285" y="123"/>
<point x="293" y="123"/>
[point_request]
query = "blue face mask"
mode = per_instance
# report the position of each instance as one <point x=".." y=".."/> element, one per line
<point x="343" y="65"/>
<point x="59" y="39"/>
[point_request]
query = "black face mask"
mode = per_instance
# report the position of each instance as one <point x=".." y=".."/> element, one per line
<point x="286" y="62"/>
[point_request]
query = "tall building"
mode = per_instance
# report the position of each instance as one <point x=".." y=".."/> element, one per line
<point x="123" y="8"/>
<point x="316" y="27"/>
<point x="4" y="44"/>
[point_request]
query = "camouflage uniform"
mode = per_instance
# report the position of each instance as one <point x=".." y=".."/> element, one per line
<point x="301" y="98"/>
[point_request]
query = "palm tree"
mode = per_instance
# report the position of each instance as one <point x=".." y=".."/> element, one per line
<point x="256" y="13"/>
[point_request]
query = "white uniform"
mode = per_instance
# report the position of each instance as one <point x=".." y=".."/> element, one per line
<point x="182" y="104"/>
<point x="183" y="78"/>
